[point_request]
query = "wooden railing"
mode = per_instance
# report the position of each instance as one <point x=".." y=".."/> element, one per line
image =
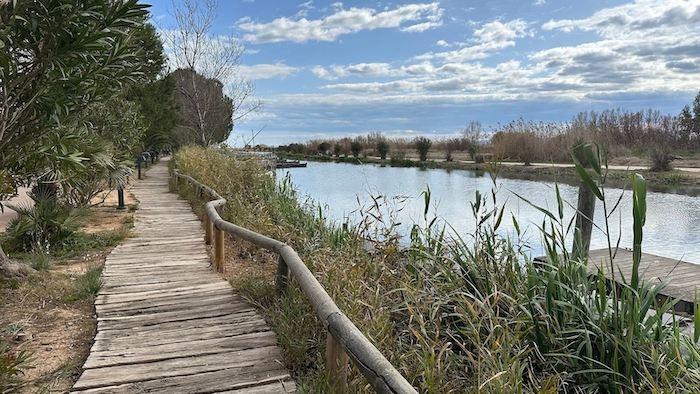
<point x="344" y="341"/>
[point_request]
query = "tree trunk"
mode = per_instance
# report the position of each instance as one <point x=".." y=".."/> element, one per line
<point x="11" y="269"/>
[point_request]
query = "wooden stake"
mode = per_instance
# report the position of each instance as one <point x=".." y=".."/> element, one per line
<point x="336" y="364"/>
<point x="207" y="230"/>
<point x="584" y="226"/>
<point x="282" y="275"/>
<point x="219" y="249"/>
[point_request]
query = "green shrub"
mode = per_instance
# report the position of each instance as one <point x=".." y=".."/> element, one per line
<point x="89" y="284"/>
<point x="12" y="366"/>
<point x="422" y="145"/>
<point x="45" y="225"/>
<point x="40" y="261"/>
<point x="661" y="159"/>
<point x="382" y="148"/>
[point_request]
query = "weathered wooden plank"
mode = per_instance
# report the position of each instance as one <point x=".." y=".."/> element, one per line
<point x="179" y="335"/>
<point x="144" y="353"/>
<point x="259" y="378"/>
<point x="115" y="375"/>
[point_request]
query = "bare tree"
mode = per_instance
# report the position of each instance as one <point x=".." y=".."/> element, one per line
<point x="213" y="57"/>
<point x="473" y="133"/>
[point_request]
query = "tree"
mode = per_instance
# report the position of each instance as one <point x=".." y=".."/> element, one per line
<point x="473" y="133"/>
<point x="55" y="58"/>
<point x="212" y="63"/>
<point x="356" y="148"/>
<point x="207" y="113"/>
<point x="323" y="147"/>
<point x="422" y="145"/>
<point x="337" y="148"/>
<point x="696" y="113"/>
<point x="382" y="148"/>
<point x="157" y="103"/>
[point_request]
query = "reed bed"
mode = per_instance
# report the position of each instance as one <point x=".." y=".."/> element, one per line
<point x="456" y="313"/>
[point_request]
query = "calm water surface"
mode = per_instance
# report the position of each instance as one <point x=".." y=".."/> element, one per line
<point x="672" y="227"/>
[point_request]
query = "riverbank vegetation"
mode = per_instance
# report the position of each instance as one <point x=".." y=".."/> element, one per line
<point x="453" y="312"/>
<point x="647" y="138"/>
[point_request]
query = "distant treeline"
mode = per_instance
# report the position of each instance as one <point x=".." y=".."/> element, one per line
<point x="648" y="133"/>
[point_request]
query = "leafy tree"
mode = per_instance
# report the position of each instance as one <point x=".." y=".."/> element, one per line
<point x="323" y="147"/>
<point x="356" y="148"/>
<point x="157" y="104"/>
<point x="207" y="113"/>
<point x="55" y="58"/>
<point x="150" y="55"/>
<point x="337" y="148"/>
<point x="382" y="148"/>
<point x="422" y="145"/>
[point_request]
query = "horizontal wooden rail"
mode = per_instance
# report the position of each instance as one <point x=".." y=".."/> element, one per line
<point x="344" y="339"/>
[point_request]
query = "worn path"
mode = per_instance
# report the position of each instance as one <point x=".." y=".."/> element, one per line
<point x="166" y="322"/>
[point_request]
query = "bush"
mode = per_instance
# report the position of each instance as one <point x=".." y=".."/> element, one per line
<point x="356" y="148"/>
<point x="382" y="148"/>
<point x="46" y="225"/>
<point x="40" y="261"/>
<point x="12" y="366"/>
<point x="661" y="159"/>
<point x="422" y="145"/>
<point x="89" y="284"/>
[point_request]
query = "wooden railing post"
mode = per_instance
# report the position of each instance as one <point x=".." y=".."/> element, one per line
<point x="336" y="364"/>
<point x="219" y="249"/>
<point x="207" y="229"/>
<point x="282" y="275"/>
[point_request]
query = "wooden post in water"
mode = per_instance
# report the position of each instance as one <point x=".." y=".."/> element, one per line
<point x="336" y="364"/>
<point x="584" y="225"/>
<point x="219" y="249"/>
<point x="585" y="209"/>
<point x="282" y="275"/>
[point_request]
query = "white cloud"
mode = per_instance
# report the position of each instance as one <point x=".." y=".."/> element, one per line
<point x="644" y="47"/>
<point x="408" y="17"/>
<point x="266" y="71"/>
<point x="490" y="38"/>
<point x="360" y="69"/>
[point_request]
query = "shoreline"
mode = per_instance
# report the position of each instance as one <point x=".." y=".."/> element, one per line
<point x="675" y="181"/>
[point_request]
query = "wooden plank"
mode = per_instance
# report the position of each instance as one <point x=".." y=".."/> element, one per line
<point x="179" y="335"/>
<point x="115" y="375"/>
<point x="259" y="378"/>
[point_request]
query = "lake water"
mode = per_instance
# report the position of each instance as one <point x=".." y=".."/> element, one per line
<point x="672" y="226"/>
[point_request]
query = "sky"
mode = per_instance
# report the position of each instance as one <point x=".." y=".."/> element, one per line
<point x="408" y="68"/>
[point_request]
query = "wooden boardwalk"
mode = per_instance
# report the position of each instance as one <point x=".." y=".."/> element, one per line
<point x="166" y="322"/>
<point x="682" y="278"/>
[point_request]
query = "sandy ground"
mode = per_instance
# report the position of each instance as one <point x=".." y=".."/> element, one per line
<point x="42" y="316"/>
<point x="8" y="214"/>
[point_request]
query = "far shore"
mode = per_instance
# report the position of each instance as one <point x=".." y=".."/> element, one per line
<point x="681" y="180"/>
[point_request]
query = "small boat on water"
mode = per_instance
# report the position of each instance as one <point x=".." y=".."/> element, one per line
<point x="283" y="163"/>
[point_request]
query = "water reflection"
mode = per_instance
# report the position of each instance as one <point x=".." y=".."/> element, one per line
<point x="671" y="229"/>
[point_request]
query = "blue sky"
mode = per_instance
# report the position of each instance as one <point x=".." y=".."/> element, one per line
<point x="407" y="68"/>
